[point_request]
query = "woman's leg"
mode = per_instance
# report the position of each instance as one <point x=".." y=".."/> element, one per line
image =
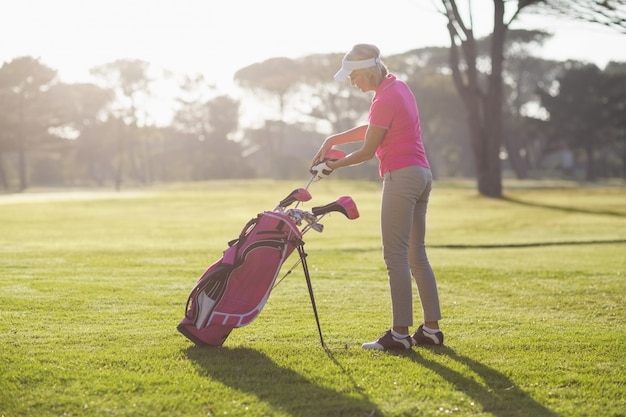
<point x="420" y="266"/>
<point x="400" y="193"/>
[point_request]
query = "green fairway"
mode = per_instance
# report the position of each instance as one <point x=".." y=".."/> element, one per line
<point x="93" y="285"/>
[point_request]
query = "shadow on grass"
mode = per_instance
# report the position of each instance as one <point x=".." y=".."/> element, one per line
<point x="540" y="244"/>
<point x="250" y="371"/>
<point x="530" y="245"/>
<point x="494" y="392"/>
<point x="562" y="208"/>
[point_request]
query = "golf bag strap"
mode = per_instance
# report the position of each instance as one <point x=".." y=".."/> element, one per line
<point x="231" y="254"/>
<point x="305" y="267"/>
<point x="244" y="231"/>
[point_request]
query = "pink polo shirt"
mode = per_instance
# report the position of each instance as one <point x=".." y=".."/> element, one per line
<point x="394" y="108"/>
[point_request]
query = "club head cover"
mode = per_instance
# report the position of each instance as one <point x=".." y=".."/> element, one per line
<point x="299" y="194"/>
<point x="344" y="205"/>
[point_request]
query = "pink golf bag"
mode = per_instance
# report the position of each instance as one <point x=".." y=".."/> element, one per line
<point x="232" y="292"/>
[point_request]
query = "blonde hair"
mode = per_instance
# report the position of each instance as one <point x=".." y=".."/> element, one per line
<point x="363" y="51"/>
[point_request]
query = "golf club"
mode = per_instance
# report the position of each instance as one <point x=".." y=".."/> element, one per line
<point x="344" y="205"/>
<point x="331" y="155"/>
<point x="299" y="195"/>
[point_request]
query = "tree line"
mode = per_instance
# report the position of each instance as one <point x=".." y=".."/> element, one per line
<point x="563" y="119"/>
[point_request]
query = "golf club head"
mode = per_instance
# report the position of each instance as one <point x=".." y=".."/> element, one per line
<point x="299" y="194"/>
<point x="345" y="205"/>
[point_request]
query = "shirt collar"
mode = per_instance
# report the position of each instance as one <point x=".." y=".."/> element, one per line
<point x="387" y="82"/>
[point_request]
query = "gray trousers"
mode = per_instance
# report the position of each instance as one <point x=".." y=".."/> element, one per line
<point x="403" y="226"/>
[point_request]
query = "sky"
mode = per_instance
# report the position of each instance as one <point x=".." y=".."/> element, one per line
<point x="216" y="38"/>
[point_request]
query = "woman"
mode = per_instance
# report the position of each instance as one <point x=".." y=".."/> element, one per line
<point x="393" y="134"/>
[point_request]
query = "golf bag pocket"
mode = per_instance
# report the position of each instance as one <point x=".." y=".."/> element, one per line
<point x="233" y="291"/>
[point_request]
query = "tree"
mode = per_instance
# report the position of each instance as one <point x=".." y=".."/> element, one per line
<point x="223" y="118"/>
<point x="81" y="110"/>
<point x="616" y="107"/>
<point x="277" y="77"/>
<point x="130" y="81"/>
<point x="24" y="83"/>
<point x="483" y="99"/>
<point x="522" y="74"/>
<point x="94" y="159"/>
<point x="205" y="124"/>
<point x="191" y="115"/>
<point x="587" y="110"/>
<point x="610" y="13"/>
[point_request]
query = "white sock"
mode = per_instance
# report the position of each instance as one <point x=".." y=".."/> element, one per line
<point x="398" y="335"/>
<point x="429" y="330"/>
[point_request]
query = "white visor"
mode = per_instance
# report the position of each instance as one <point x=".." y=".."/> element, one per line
<point x="348" y="66"/>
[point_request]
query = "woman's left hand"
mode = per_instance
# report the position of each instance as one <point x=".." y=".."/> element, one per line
<point x="321" y="154"/>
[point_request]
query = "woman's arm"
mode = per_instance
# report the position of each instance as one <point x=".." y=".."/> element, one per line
<point x="373" y="138"/>
<point x="353" y="135"/>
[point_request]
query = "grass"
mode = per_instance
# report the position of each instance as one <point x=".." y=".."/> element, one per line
<point x="532" y="286"/>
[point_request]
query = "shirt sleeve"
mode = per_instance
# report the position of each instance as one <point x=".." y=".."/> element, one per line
<point x="381" y="113"/>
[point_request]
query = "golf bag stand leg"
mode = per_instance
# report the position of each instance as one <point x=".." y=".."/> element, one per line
<point x="305" y="267"/>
